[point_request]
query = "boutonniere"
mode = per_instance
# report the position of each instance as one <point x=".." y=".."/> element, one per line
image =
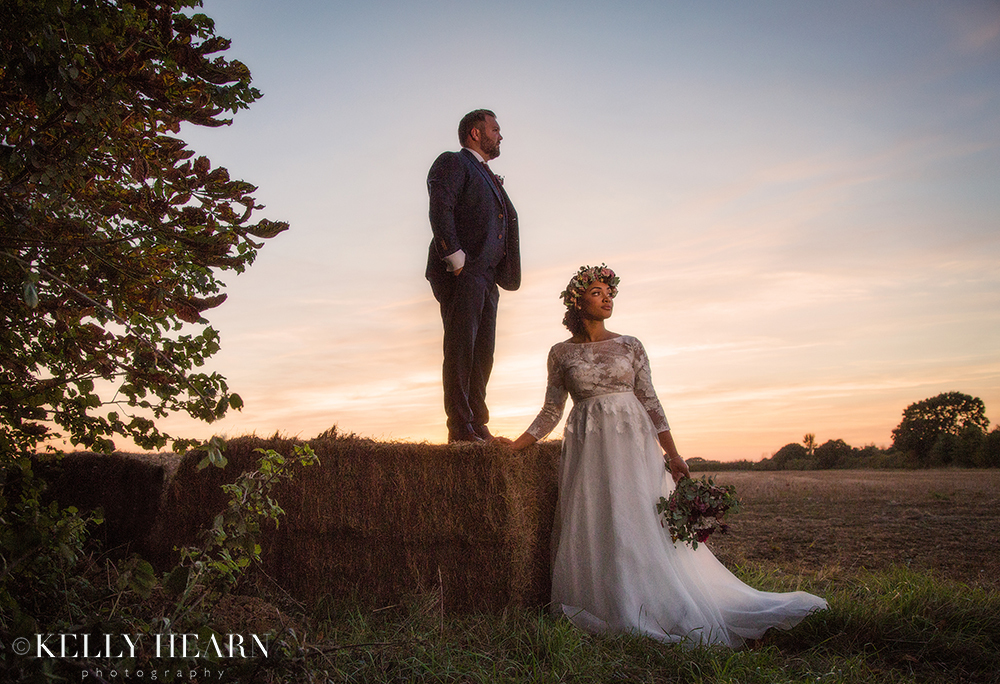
<point x="499" y="179"/>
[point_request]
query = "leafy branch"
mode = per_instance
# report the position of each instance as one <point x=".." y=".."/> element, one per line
<point x="231" y="543"/>
<point x="31" y="300"/>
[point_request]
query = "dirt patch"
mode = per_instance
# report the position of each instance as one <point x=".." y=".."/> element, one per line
<point x="823" y="522"/>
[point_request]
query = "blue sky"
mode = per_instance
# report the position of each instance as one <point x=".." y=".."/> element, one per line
<point x="802" y="200"/>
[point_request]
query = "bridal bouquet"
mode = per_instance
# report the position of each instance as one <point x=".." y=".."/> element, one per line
<point x="695" y="509"/>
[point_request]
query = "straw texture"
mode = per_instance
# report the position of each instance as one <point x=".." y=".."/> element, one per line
<point x="376" y="521"/>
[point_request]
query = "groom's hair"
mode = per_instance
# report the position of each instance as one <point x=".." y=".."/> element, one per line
<point x="470" y="121"/>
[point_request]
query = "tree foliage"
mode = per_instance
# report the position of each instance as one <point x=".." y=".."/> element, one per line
<point x="113" y="234"/>
<point x="988" y="455"/>
<point x="944" y="416"/>
<point x="809" y="442"/>
<point x="832" y="453"/>
<point x="788" y="454"/>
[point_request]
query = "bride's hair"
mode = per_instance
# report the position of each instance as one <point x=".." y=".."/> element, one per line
<point x="578" y="284"/>
<point x="573" y="321"/>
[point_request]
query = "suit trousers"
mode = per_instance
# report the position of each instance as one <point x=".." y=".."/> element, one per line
<point x="469" y="313"/>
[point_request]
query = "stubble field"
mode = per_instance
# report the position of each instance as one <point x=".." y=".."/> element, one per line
<point x="833" y="522"/>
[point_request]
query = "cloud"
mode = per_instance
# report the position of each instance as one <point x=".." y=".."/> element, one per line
<point x="800" y="202"/>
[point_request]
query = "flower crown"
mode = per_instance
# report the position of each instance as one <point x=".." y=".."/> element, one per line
<point x="582" y="280"/>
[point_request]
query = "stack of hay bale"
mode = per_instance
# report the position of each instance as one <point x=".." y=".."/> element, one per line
<point x="376" y="521"/>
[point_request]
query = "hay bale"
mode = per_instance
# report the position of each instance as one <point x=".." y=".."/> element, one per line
<point x="128" y="487"/>
<point x="376" y="521"/>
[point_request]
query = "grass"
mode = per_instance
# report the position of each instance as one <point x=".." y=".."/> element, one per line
<point x="887" y="627"/>
<point x="360" y="524"/>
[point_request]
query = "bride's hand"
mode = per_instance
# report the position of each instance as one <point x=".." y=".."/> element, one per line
<point x="678" y="468"/>
<point x="522" y="442"/>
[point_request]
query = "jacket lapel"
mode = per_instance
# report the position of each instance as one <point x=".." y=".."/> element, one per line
<point x="493" y="182"/>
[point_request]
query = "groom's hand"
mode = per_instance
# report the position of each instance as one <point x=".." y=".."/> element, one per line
<point x="457" y="272"/>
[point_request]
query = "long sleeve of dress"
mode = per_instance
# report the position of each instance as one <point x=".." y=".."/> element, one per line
<point x="644" y="391"/>
<point x="555" y="400"/>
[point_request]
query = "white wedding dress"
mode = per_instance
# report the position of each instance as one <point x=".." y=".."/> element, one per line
<point x="614" y="566"/>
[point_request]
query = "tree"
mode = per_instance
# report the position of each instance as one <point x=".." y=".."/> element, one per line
<point x="809" y="442"/>
<point x="788" y="454"/>
<point x="112" y="236"/>
<point x="924" y="422"/>
<point x="832" y="453"/>
<point x="989" y="451"/>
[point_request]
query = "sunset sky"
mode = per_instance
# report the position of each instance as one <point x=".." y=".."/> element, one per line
<point x="802" y="200"/>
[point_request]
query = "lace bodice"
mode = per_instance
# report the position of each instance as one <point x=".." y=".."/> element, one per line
<point x="591" y="369"/>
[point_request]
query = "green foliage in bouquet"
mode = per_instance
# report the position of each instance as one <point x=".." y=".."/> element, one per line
<point x="696" y="508"/>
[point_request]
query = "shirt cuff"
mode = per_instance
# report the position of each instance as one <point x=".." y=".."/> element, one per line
<point x="455" y="260"/>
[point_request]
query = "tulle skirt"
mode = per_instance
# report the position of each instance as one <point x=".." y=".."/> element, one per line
<point x="615" y="568"/>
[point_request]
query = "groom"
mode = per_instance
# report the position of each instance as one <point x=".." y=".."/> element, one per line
<point x="475" y="249"/>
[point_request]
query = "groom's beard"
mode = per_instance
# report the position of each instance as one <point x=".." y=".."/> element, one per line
<point x="490" y="150"/>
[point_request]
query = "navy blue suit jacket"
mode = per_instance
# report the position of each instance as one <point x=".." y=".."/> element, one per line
<point x="470" y="212"/>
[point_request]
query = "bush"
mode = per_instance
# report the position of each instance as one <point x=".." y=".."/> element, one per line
<point x="51" y="584"/>
<point x="833" y="454"/>
<point x="784" y="457"/>
<point x="988" y="455"/>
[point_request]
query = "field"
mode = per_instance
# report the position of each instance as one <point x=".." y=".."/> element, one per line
<point x="907" y="560"/>
<point x="382" y="581"/>
<point x="834" y="522"/>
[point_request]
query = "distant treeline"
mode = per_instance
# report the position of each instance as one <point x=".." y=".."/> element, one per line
<point x="948" y="430"/>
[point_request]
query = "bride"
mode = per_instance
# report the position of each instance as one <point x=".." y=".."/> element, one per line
<point x="615" y="568"/>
